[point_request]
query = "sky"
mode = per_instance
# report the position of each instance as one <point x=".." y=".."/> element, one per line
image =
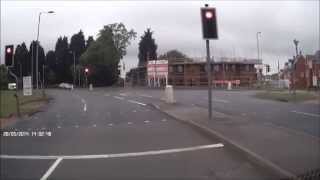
<point x="176" y="25"/>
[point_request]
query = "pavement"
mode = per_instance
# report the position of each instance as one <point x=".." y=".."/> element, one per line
<point x="111" y="133"/>
<point x="265" y="131"/>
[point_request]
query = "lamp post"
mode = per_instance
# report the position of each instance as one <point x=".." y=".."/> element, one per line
<point x="37" y="48"/>
<point x="258" y="53"/>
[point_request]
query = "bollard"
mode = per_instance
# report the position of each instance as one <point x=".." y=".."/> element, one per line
<point x="229" y="85"/>
<point x="169" y="97"/>
<point x="90" y="87"/>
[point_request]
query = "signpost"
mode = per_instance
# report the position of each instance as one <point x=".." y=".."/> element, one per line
<point x="209" y="31"/>
<point x="27" y="86"/>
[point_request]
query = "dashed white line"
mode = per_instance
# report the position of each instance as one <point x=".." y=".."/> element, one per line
<point x="94" y="125"/>
<point x="144" y="95"/>
<point x="123" y="94"/>
<point x="146" y="121"/>
<point x="307" y="114"/>
<point x="76" y="126"/>
<point x="119" y="155"/>
<point x="129" y="123"/>
<point x="58" y="127"/>
<point x="163" y="120"/>
<point x="137" y="102"/>
<point x="117" y="97"/>
<point x="106" y="95"/>
<point x="134" y="111"/>
<point x="110" y="124"/>
<point x="51" y="169"/>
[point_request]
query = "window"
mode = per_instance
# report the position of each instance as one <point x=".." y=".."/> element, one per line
<point x="202" y="68"/>
<point x="216" y="68"/>
<point x="180" y="69"/>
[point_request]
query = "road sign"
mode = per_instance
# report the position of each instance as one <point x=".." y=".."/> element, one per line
<point x="27" y="86"/>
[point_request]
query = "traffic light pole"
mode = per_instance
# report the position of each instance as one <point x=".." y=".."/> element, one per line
<point x="16" y="94"/>
<point x="209" y="80"/>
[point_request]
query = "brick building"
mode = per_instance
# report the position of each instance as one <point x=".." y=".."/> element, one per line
<point x="303" y="71"/>
<point x="240" y="72"/>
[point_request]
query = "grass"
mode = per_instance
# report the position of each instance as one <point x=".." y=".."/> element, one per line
<point x="286" y="96"/>
<point x="27" y="103"/>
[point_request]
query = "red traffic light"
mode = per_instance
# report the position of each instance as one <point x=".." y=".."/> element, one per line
<point x="208" y="14"/>
<point x="86" y="70"/>
<point x="9" y="50"/>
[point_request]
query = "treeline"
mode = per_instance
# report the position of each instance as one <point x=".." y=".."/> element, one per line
<point x="100" y="56"/>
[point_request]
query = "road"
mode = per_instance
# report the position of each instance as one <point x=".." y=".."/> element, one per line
<point x="299" y="117"/>
<point x="113" y="134"/>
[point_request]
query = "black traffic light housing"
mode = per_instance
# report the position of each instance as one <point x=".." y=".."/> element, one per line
<point x="209" y="23"/>
<point x="268" y="68"/>
<point x="9" y="61"/>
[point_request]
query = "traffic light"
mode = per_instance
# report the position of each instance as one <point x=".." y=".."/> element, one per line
<point x="209" y="23"/>
<point x="9" y="55"/>
<point x="268" y="68"/>
<point x="86" y="71"/>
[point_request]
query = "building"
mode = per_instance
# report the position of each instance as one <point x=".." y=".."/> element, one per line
<point x="192" y="72"/>
<point x="303" y="71"/>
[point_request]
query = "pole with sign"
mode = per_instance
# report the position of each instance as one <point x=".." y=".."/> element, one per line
<point x="209" y="31"/>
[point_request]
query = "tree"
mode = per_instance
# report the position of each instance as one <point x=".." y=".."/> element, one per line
<point x="22" y="64"/>
<point x="147" y="48"/>
<point x="78" y="45"/>
<point x="173" y="55"/>
<point x="64" y="60"/>
<point x="89" y="41"/>
<point x="103" y="55"/>
<point x="51" y="67"/>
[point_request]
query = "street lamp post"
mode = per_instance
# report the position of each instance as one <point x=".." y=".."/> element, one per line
<point x="37" y="48"/>
<point x="258" y="53"/>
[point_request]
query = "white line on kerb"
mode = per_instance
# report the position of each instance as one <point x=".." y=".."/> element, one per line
<point x="119" y="155"/>
<point x="117" y="97"/>
<point x="136" y="102"/>
<point x="51" y="169"/>
<point x="307" y="114"/>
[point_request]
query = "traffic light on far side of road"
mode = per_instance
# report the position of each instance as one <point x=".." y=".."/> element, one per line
<point x="9" y="61"/>
<point x="268" y="68"/>
<point x="209" y="23"/>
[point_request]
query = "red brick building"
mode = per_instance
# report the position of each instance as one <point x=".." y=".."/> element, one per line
<point x="240" y="72"/>
<point x="303" y="71"/>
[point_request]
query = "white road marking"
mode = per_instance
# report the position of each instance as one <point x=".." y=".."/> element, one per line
<point x="123" y="94"/>
<point x="51" y="169"/>
<point x="218" y="100"/>
<point x="307" y="114"/>
<point x="106" y="95"/>
<point x="117" y="97"/>
<point x="58" y="127"/>
<point x="119" y="155"/>
<point x="76" y="126"/>
<point x="84" y="104"/>
<point x="129" y="122"/>
<point x="163" y="120"/>
<point x="144" y="95"/>
<point x="94" y="125"/>
<point x="134" y="111"/>
<point x="110" y="124"/>
<point x="136" y="102"/>
<point x="146" y="121"/>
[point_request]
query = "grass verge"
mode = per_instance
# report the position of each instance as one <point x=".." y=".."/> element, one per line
<point x="28" y="104"/>
<point x="286" y="96"/>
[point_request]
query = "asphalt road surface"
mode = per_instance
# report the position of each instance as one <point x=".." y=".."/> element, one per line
<point x="300" y="117"/>
<point x="112" y="134"/>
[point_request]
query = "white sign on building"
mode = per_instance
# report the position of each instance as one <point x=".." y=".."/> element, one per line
<point x="157" y="72"/>
<point x="27" y="86"/>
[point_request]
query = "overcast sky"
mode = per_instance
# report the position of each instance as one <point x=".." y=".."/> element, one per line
<point x="176" y="25"/>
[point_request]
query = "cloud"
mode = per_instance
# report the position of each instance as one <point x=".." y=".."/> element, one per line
<point x="176" y="25"/>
